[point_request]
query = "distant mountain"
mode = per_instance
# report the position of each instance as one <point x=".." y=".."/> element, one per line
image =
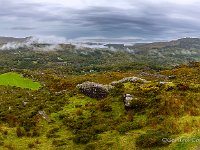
<point x="4" y="40"/>
<point x="185" y="43"/>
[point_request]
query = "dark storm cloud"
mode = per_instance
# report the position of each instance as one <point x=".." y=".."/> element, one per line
<point x="143" y="19"/>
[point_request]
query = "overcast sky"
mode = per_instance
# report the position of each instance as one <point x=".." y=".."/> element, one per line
<point x="139" y="19"/>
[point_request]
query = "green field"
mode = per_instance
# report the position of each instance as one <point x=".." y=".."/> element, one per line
<point x="15" y="79"/>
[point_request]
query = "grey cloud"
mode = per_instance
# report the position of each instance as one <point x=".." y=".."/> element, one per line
<point x="22" y="28"/>
<point x="143" y="19"/>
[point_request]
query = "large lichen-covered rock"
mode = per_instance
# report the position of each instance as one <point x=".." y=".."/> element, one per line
<point x="129" y="79"/>
<point x="94" y="90"/>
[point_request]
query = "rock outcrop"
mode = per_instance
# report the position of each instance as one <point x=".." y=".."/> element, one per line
<point x="44" y="115"/>
<point x="127" y="100"/>
<point x="94" y="90"/>
<point x="171" y="77"/>
<point x="164" y="83"/>
<point x="129" y="79"/>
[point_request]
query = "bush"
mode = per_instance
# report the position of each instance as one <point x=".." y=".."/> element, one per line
<point x="194" y="87"/>
<point x="149" y="90"/>
<point x="35" y="133"/>
<point x="99" y="128"/>
<point x="54" y="130"/>
<point x="52" y="133"/>
<point x="37" y="142"/>
<point x="130" y="116"/>
<point x="5" y="132"/>
<point x="1" y="143"/>
<point x="90" y="147"/>
<point x="183" y="86"/>
<point x="118" y="90"/>
<point x="152" y="139"/>
<point x="139" y="104"/>
<point x="13" y="121"/>
<point x="104" y="106"/>
<point x="10" y="147"/>
<point x="110" y="143"/>
<point x="52" y="136"/>
<point x="28" y="124"/>
<point x="62" y="116"/>
<point x="31" y="145"/>
<point x="83" y="138"/>
<point x="127" y="126"/>
<point x="59" y="142"/>
<point x="28" y="134"/>
<point x="79" y="112"/>
<point x="19" y="132"/>
<point x="107" y="108"/>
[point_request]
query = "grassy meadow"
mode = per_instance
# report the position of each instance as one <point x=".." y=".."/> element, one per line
<point x="17" y="80"/>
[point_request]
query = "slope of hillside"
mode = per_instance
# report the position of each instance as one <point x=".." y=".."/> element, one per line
<point x="118" y="99"/>
<point x="59" y="116"/>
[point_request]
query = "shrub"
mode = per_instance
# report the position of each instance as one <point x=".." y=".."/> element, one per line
<point x="169" y="87"/>
<point x="107" y="108"/>
<point x="54" y="130"/>
<point x="31" y="145"/>
<point x="127" y="126"/>
<point x="37" y="142"/>
<point x="130" y="116"/>
<point x="152" y="139"/>
<point x="139" y="104"/>
<point x="90" y="146"/>
<point x="59" y="142"/>
<point x="35" y="133"/>
<point x="62" y="116"/>
<point x="99" y="128"/>
<point x="194" y="87"/>
<point x="104" y="106"/>
<point x="78" y="106"/>
<point x="118" y="90"/>
<point x="52" y="136"/>
<point x="52" y="133"/>
<point x="110" y="143"/>
<point x="28" y="124"/>
<point x="10" y="147"/>
<point x="28" y="134"/>
<point x="1" y="143"/>
<point x="19" y="132"/>
<point x="79" y="112"/>
<point x="82" y="138"/>
<point x="13" y="121"/>
<point x="183" y="86"/>
<point x="149" y="90"/>
<point x="5" y="132"/>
